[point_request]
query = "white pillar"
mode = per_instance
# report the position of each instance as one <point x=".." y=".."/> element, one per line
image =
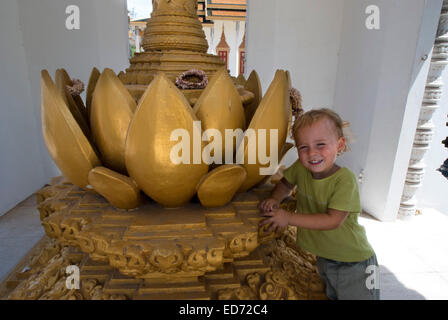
<point x="425" y="127"/>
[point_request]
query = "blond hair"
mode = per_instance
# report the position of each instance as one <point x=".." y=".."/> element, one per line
<point x="310" y="117"/>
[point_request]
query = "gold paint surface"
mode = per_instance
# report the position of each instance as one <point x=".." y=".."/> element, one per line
<point x="93" y="79"/>
<point x="161" y="110"/>
<point x="220" y="107"/>
<point x="79" y="112"/>
<point x="174" y="25"/>
<point x="253" y="85"/>
<point x="288" y="77"/>
<point x="155" y="253"/>
<point x="111" y="113"/>
<point x="121" y="191"/>
<point x="219" y="186"/>
<point x="240" y="80"/>
<point x="273" y="271"/>
<point x="192" y="95"/>
<point x="65" y="141"/>
<point x="151" y="241"/>
<point x="145" y="65"/>
<point x="281" y="156"/>
<point x="273" y="113"/>
<point x="285" y="149"/>
<point x="246" y="96"/>
<point x="276" y="269"/>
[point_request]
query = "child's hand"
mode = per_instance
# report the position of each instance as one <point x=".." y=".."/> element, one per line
<point x="279" y="219"/>
<point x="268" y="204"/>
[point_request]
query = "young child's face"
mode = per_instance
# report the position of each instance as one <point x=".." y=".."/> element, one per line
<point x="318" y="146"/>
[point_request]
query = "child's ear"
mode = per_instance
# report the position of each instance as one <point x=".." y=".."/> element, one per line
<point x="341" y="144"/>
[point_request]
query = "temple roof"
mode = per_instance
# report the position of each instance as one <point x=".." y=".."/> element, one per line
<point x="223" y="42"/>
<point x="243" y="42"/>
<point x="209" y="10"/>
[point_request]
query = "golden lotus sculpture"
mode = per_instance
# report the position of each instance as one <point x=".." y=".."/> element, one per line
<point x="119" y="147"/>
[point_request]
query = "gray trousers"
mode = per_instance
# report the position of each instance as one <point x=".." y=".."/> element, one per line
<point x="350" y="280"/>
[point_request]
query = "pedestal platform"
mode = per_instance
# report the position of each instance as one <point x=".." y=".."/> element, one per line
<point x="155" y="253"/>
<point x="275" y="270"/>
<point x="150" y="241"/>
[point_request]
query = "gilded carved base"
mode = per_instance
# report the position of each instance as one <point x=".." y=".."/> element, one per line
<point x="150" y="241"/>
<point x="292" y="274"/>
<point x="271" y="272"/>
<point x="155" y="253"/>
<point x="131" y="255"/>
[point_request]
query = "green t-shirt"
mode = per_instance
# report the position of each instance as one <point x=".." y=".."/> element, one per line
<point x="348" y="243"/>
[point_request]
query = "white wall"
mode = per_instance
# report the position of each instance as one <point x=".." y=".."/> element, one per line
<point x="21" y="158"/>
<point x="34" y="37"/>
<point x="302" y="36"/>
<point x="373" y="78"/>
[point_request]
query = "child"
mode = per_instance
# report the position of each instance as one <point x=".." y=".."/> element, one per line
<point x="327" y="208"/>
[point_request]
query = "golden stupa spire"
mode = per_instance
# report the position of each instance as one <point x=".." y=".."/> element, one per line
<point x="174" y="42"/>
<point x="174" y="25"/>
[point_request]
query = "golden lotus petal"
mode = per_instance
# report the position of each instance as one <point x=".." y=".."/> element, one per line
<point x="120" y="87"/>
<point x="246" y="96"/>
<point x="94" y="76"/>
<point x="273" y="113"/>
<point x="121" y="191"/>
<point x="219" y="107"/>
<point x="282" y="154"/>
<point x="286" y="147"/>
<point x="253" y="85"/>
<point x="240" y="80"/>
<point x="219" y="186"/>
<point x="111" y="113"/>
<point x="65" y="141"/>
<point x="161" y="110"/>
<point x="192" y="95"/>
<point x="288" y="77"/>
<point x="62" y="79"/>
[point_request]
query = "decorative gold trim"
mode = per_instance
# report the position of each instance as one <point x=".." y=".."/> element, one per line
<point x="276" y="270"/>
<point x="150" y="241"/>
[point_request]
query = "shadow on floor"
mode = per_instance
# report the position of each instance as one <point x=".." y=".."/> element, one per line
<point x="393" y="289"/>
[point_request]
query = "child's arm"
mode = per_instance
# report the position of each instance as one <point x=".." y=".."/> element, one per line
<point x="281" y="190"/>
<point x="280" y="218"/>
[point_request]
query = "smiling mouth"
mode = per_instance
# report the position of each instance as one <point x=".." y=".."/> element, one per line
<point x="315" y="162"/>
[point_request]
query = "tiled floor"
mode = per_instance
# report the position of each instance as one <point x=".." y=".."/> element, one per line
<point x="20" y="230"/>
<point x="413" y="254"/>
